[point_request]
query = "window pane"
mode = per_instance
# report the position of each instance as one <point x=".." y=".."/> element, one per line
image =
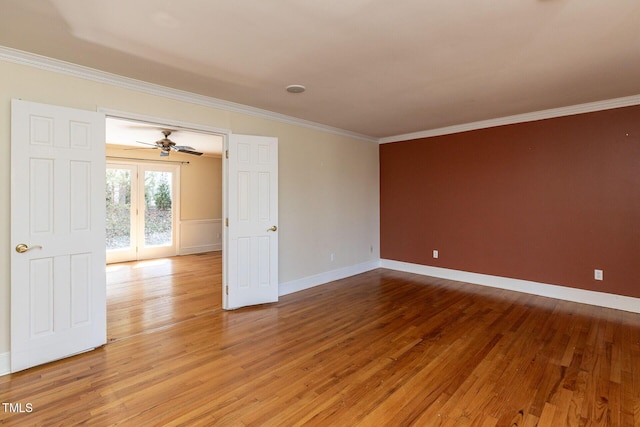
<point x="158" y="208"/>
<point x="118" y="208"/>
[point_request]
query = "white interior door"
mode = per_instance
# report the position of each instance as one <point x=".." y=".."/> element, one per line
<point x="252" y="203"/>
<point x="58" y="282"/>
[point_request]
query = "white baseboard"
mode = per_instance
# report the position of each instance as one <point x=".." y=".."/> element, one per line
<point x="5" y="363"/>
<point x="326" y="277"/>
<point x="601" y="299"/>
<point x="200" y="249"/>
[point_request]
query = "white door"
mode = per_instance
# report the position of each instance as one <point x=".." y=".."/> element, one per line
<point x="142" y="204"/>
<point x="58" y="282"/>
<point x="252" y="203"/>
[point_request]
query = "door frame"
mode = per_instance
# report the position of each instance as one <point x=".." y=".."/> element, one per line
<point x="225" y="133"/>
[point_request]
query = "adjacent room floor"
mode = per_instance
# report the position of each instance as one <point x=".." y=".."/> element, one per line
<point x="146" y="295"/>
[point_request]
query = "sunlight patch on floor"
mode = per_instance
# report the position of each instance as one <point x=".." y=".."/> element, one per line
<point x="152" y="262"/>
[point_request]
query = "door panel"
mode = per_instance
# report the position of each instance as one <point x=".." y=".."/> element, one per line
<point x="80" y="195"/>
<point x="58" y="285"/>
<point x="41" y="196"/>
<point x="80" y="289"/>
<point x="41" y="297"/>
<point x="252" y="201"/>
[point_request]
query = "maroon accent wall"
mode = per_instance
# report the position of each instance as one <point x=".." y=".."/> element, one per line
<point x="547" y="201"/>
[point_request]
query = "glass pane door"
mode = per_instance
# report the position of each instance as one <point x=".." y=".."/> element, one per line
<point x="158" y="215"/>
<point x="141" y="211"/>
<point x="157" y="218"/>
<point x="120" y="210"/>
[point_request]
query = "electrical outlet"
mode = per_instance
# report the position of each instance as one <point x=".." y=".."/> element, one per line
<point x="597" y="274"/>
<point x="332" y="257"/>
<point x="435" y="253"/>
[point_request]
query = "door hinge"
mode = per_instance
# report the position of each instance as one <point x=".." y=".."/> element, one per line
<point x="226" y="154"/>
<point x="226" y="222"/>
<point x="226" y="288"/>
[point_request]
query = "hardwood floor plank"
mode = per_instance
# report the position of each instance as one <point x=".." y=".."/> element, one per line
<point x="489" y="422"/>
<point x="380" y="348"/>
<point x="530" y="421"/>
<point x="546" y="418"/>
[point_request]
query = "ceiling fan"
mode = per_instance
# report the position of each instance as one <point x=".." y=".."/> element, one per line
<point x="166" y="146"/>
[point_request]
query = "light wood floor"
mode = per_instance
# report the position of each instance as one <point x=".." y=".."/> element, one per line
<point x="379" y="349"/>
<point x="147" y="295"/>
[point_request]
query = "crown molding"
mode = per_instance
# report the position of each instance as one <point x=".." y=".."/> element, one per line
<point x="589" y="107"/>
<point x="62" y="67"/>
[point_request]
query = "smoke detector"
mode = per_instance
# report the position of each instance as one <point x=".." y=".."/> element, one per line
<point x="296" y="88"/>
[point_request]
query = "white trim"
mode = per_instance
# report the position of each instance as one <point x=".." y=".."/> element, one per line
<point x="326" y="277"/>
<point x="63" y="67"/>
<point x="589" y="107"/>
<point x="200" y="235"/>
<point x="163" y="121"/>
<point x="601" y="299"/>
<point x="5" y="363"/>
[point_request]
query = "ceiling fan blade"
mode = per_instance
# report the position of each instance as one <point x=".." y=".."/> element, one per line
<point x="195" y="153"/>
<point x="165" y="146"/>
<point x="186" y="149"/>
<point x="141" y="148"/>
<point x="148" y="143"/>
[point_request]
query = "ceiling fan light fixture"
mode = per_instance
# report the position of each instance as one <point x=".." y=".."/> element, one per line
<point x="296" y="88"/>
<point x="165" y="145"/>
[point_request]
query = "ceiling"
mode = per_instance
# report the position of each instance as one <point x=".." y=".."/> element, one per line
<point x="374" y="67"/>
<point x="135" y="134"/>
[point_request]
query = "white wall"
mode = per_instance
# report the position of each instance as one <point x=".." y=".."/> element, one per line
<point x="328" y="189"/>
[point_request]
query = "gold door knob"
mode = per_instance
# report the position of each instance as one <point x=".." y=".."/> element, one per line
<point x="22" y="248"/>
<point x="273" y="228"/>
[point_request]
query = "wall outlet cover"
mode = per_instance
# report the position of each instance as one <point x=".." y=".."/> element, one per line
<point x="598" y="275"/>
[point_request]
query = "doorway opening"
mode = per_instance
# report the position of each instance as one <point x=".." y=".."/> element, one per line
<point x="164" y="224"/>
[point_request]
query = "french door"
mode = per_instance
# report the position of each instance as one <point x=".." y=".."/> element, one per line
<point x="142" y="206"/>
